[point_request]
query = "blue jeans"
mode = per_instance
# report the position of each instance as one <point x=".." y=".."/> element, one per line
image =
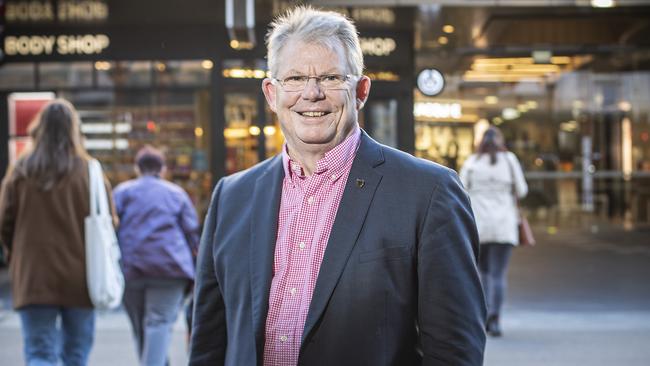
<point x="153" y="305"/>
<point x="54" y="332"/>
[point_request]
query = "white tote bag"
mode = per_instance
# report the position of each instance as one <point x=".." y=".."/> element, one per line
<point x="105" y="278"/>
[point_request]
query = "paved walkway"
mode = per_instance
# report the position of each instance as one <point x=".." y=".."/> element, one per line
<point x="581" y="297"/>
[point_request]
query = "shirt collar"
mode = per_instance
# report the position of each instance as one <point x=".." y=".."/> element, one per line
<point x="334" y="160"/>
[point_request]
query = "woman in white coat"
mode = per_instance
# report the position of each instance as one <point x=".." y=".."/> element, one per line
<point x="492" y="177"/>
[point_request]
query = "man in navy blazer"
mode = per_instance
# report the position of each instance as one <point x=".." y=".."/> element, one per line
<point x="388" y="273"/>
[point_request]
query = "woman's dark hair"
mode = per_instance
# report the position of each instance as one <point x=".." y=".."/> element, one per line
<point x="55" y="147"/>
<point x="149" y="160"/>
<point x="492" y="143"/>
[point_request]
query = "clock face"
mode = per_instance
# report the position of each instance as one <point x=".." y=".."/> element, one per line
<point x="430" y="82"/>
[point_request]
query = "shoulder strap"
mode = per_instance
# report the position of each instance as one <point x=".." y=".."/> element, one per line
<point x="98" y="198"/>
<point x="512" y="174"/>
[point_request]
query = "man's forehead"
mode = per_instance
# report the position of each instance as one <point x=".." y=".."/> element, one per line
<point x="300" y="57"/>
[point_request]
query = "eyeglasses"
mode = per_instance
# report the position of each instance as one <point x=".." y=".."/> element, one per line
<point x="327" y="81"/>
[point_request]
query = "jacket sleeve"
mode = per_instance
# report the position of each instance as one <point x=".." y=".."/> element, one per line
<point x="208" y="339"/>
<point x="521" y="188"/>
<point x="451" y="304"/>
<point x="189" y="222"/>
<point x="8" y="207"/>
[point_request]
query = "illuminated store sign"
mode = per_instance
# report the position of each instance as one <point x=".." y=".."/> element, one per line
<point x="35" y="45"/>
<point x="377" y="46"/>
<point x="45" y="11"/>
<point x="438" y="110"/>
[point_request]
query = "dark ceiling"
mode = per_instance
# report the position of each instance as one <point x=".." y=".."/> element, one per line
<point x="516" y="32"/>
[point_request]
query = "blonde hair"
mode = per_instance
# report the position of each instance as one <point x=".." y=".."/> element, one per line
<point x="310" y="25"/>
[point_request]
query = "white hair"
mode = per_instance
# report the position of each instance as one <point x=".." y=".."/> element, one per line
<point x="309" y="25"/>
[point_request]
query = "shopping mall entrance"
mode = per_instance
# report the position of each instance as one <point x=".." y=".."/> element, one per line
<point x="568" y="86"/>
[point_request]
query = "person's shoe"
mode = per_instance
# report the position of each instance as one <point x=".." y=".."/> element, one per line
<point x="492" y="326"/>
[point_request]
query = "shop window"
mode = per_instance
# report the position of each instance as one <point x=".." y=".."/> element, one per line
<point x="182" y="73"/>
<point x="17" y="76"/>
<point x="383" y="115"/>
<point x="241" y="132"/>
<point x="65" y="74"/>
<point x="272" y="133"/>
<point x="116" y="124"/>
<point x="123" y="73"/>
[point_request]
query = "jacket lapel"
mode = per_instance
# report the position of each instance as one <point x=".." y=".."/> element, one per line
<point x="357" y="196"/>
<point x="264" y="226"/>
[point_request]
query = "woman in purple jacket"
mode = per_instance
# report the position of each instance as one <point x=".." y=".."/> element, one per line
<point x="158" y="235"/>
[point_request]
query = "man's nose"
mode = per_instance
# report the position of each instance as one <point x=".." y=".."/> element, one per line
<point x="312" y="90"/>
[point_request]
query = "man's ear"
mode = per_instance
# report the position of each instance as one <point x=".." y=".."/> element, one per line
<point x="269" y="90"/>
<point x="363" y="90"/>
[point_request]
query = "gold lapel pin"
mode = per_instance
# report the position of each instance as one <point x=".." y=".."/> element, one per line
<point x="360" y="183"/>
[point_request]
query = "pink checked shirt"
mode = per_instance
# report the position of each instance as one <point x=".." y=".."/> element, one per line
<point x="307" y="211"/>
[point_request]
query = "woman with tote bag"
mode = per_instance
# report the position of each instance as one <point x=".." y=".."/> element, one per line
<point x="43" y="203"/>
<point x="494" y="180"/>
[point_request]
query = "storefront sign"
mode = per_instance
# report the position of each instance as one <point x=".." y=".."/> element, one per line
<point x="65" y="11"/>
<point x="36" y="45"/>
<point x="377" y="46"/>
<point x="438" y="110"/>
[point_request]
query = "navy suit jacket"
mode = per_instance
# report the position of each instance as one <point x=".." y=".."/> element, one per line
<point x="398" y="284"/>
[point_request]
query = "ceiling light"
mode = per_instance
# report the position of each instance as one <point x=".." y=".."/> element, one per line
<point x="207" y="64"/>
<point x="625" y="106"/>
<point x="510" y="114"/>
<point x="491" y="99"/>
<point x="443" y="40"/>
<point x="448" y="28"/>
<point x="602" y="3"/>
<point x="254" y="130"/>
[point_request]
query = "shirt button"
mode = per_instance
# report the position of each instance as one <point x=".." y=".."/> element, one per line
<point x="293" y="291"/>
<point x="283" y="338"/>
<point x="334" y="176"/>
<point x="302" y="245"/>
<point x="310" y="200"/>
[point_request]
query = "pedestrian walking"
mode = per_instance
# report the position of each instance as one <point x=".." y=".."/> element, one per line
<point x="494" y="180"/>
<point x="43" y="204"/>
<point x="339" y="250"/>
<point x="158" y="235"/>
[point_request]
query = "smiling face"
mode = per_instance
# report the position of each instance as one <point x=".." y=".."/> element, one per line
<point x="315" y="120"/>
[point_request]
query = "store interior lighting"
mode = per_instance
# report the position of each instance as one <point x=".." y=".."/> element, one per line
<point x="254" y="130"/>
<point x="491" y="99"/>
<point x="269" y="130"/>
<point x="569" y="126"/>
<point x="207" y="64"/>
<point x="518" y="69"/>
<point x="509" y="114"/>
<point x="603" y="3"/>
<point x="102" y="65"/>
<point x="239" y="73"/>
